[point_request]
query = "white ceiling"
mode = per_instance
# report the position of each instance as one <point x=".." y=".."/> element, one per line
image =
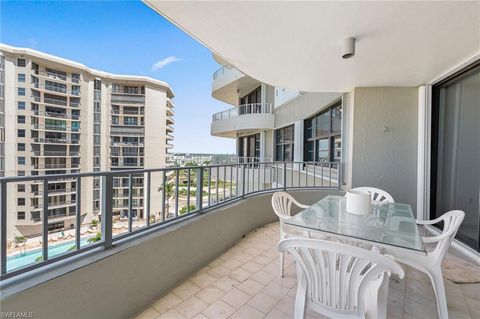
<point x="297" y="45"/>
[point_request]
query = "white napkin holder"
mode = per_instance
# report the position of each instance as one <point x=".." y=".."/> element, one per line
<point x="358" y="202"/>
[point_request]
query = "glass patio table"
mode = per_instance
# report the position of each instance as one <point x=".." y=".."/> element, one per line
<point x="389" y="224"/>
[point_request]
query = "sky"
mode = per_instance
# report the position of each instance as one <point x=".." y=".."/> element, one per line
<point x="126" y="37"/>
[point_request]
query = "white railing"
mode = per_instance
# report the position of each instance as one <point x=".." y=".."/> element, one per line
<point x="221" y="71"/>
<point x="244" y="109"/>
<point x="183" y="192"/>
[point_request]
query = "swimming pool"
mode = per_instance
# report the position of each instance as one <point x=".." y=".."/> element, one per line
<point x="23" y="259"/>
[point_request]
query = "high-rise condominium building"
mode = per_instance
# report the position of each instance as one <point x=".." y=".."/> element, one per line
<point x="58" y="116"/>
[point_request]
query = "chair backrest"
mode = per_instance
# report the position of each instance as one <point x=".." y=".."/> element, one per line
<point x="282" y="204"/>
<point x="336" y="276"/>
<point x="378" y="194"/>
<point x="451" y="223"/>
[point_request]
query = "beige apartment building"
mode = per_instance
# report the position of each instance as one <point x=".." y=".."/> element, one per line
<point x="58" y="116"/>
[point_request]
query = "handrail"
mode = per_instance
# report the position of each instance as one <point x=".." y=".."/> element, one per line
<point x="222" y="70"/>
<point x="201" y="188"/>
<point x="244" y="109"/>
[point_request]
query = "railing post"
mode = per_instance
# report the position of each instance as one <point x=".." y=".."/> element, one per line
<point x="78" y="217"/>
<point x="3" y="227"/>
<point x="130" y="203"/>
<point x="147" y="196"/>
<point x="243" y="180"/>
<point x="45" y="221"/>
<point x="199" y="196"/>
<point x="285" y="176"/>
<point x="107" y="210"/>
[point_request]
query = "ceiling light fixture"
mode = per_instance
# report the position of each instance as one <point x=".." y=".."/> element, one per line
<point x="348" y="48"/>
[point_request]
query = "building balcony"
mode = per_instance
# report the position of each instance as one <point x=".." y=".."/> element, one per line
<point x="65" y="141"/>
<point x="55" y="128"/>
<point x="127" y="130"/>
<point x="55" y="154"/>
<point x="229" y="84"/>
<point x="219" y="259"/>
<point x="56" y="76"/>
<point x="55" y="89"/>
<point x="243" y="119"/>
<point x="55" y="102"/>
<point x="56" y="115"/>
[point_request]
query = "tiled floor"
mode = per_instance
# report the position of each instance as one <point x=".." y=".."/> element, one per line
<point x="244" y="283"/>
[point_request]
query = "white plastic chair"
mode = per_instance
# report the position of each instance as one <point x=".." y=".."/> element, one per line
<point x="431" y="263"/>
<point x="378" y="194"/>
<point x="282" y="203"/>
<point x="340" y="281"/>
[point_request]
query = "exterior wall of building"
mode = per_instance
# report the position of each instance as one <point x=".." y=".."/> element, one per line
<point x="68" y="129"/>
<point x="384" y="146"/>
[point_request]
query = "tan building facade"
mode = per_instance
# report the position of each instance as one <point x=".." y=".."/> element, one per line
<point x="58" y="116"/>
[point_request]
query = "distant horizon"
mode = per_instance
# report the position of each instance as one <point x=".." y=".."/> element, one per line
<point x="96" y="34"/>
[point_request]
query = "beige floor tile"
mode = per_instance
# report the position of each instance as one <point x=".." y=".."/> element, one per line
<point x="247" y="312"/>
<point x="263" y="277"/>
<point x="232" y="264"/>
<point x="191" y="307"/>
<point x="243" y="257"/>
<point x="275" y="290"/>
<point x="239" y="274"/>
<point x="236" y="298"/>
<point x="218" y="271"/>
<point x="277" y="314"/>
<point x="171" y="314"/>
<point x="210" y="294"/>
<point x="226" y="283"/>
<point x="250" y="287"/>
<point x="252" y="266"/>
<point x="203" y="279"/>
<point x="186" y="290"/>
<point x="262" y="302"/>
<point x="219" y="310"/>
<point x="149" y="313"/>
<point x="287" y="305"/>
<point x="200" y="316"/>
<point x="167" y="302"/>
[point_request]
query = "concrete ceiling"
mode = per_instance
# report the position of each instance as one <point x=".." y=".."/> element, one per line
<point x="297" y="45"/>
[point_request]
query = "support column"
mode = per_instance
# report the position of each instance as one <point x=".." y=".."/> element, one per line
<point x="262" y="144"/>
<point x="298" y="141"/>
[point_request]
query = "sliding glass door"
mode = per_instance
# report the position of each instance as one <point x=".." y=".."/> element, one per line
<point x="456" y="151"/>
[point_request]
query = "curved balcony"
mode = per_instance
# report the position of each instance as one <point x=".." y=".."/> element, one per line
<point x="243" y="119"/>
<point x="229" y="84"/>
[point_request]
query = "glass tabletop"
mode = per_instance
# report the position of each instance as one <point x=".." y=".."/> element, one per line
<point x="390" y="224"/>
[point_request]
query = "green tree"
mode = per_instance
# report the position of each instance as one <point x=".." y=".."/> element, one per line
<point x="184" y="209"/>
<point x="97" y="237"/>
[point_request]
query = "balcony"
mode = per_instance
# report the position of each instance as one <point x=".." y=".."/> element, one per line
<point x="217" y="259"/>
<point x="55" y="102"/>
<point x="243" y="119"/>
<point x="56" y="115"/>
<point x="229" y="84"/>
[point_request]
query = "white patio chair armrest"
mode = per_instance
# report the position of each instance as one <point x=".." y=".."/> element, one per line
<point x="300" y="204"/>
<point x="434" y="239"/>
<point x="428" y="222"/>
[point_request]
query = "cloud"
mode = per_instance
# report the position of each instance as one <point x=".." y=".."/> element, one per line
<point x="164" y="62"/>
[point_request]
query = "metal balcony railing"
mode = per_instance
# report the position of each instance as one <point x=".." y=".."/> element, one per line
<point x="56" y="153"/>
<point x="58" y="89"/>
<point x="55" y="102"/>
<point x="222" y="70"/>
<point x="56" y="76"/>
<point x="199" y="188"/>
<point x="244" y="109"/>
<point x="56" y="115"/>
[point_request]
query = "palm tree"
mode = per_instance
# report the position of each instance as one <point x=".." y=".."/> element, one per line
<point x="169" y="191"/>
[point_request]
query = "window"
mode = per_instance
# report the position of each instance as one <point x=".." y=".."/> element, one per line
<point x="21" y="91"/>
<point x="21" y="133"/>
<point x="21" y="77"/>
<point x="455" y="152"/>
<point x="21" y="62"/>
<point x="21" y="160"/>
<point x="21" y="188"/>
<point x="21" y="105"/>
<point x="323" y="136"/>
<point x="21" y="119"/>
<point x="21" y="173"/>
<point x="21" y="147"/>
<point x="284" y="144"/>
<point x="21" y="201"/>
<point x="249" y="148"/>
<point x="20" y="215"/>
